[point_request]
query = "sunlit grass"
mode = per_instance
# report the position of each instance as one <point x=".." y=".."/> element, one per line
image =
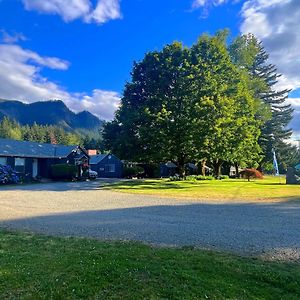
<point x="268" y="189"/>
<point x="39" y="267"/>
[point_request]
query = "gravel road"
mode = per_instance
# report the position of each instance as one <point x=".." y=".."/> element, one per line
<point x="82" y="209"/>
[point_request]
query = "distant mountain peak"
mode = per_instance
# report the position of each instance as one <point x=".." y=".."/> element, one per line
<point x="52" y="112"/>
<point x="85" y="112"/>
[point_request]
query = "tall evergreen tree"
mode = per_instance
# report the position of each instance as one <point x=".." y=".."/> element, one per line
<point x="249" y="53"/>
<point x="10" y="129"/>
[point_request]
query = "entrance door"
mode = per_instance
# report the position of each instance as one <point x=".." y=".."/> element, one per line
<point x="35" y="168"/>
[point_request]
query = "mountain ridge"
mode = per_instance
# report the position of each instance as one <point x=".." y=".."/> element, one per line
<point x="51" y="112"/>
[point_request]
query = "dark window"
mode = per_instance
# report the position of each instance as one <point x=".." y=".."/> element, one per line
<point x="111" y="168"/>
<point x="20" y="164"/>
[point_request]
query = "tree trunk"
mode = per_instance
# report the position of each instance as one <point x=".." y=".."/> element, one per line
<point x="181" y="169"/>
<point x="237" y="174"/>
<point x="181" y="166"/>
<point x="203" y="165"/>
<point x="217" y="168"/>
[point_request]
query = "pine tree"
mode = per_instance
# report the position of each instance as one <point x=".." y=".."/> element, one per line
<point x="250" y="54"/>
<point x="37" y="133"/>
<point x="10" y="129"/>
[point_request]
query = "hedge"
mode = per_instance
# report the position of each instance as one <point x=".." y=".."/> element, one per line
<point x="63" y="171"/>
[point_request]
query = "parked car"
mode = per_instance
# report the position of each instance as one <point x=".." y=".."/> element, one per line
<point x="92" y="174"/>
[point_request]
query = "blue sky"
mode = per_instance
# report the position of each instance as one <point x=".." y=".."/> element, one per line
<point x="82" y="51"/>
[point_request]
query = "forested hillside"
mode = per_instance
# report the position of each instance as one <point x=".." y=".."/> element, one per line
<point x="11" y="129"/>
<point x="54" y="113"/>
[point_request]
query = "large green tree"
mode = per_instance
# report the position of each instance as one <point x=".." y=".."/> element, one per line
<point x="230" y="129"/>
<point x="247" y="52"/>
<point x="154" y="122"/>
<point x="185" y="104"/>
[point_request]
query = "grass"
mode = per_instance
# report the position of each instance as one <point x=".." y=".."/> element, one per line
<point x="40" y="267"/>
<point x="267" y="189"/>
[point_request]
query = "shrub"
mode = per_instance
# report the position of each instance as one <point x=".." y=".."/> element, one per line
<point x="191" y="178"/>
<point x="176" y="177"/>
<point x="223" y="177"/>
<point x="251" y="173"/>
<point x="209" y="177"/>
<point x="199" y="177"/>
<point x="129" y="172"/>
<point x="268" y="167"/>
<point x="8" y="175"/>
<point x="63" y="171"/>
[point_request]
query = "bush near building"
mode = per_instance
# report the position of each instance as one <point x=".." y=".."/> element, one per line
<point x="63" y="171"/>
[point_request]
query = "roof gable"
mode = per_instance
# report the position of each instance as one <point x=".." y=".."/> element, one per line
<point x="95" y="159"/>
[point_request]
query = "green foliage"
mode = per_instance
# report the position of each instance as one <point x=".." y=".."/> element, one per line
<point x="36" y="133"/>
<point x="176" y="178"/>
<point x="63" y="171"/>
<point x="185" y="104"/>
<point x="135" y="171"/>
<point x="268" y="167"/>
<point x="10" y="129"/>
<point x="247" y="52"/>
<point x="199" y="177"/>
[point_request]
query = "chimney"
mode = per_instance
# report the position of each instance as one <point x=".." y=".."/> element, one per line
<point x="92" y="152"/>
<point x="53" y="140"/>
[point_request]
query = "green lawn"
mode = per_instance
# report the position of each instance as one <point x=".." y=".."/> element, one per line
<point x="267" y="189"/>
<point x="40" y="267"/>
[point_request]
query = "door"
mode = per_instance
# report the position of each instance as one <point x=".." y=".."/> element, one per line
<point x="35" y="168"/>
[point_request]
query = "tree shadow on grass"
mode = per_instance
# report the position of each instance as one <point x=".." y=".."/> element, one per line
<point x="276" y="183"/>
<point x="144" y="186"/>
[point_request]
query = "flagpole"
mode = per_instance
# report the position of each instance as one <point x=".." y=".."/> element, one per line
<point x="275" y="164"/>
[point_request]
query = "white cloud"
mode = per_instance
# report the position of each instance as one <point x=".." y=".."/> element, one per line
<point x="202" y="3"/>
<point x="70" y="10"/>
<point x="101" y="103"/>
<point x="206" y="5"/>
<point x="21" y="79"/>
<point x="295" y="123"/>
<point x="11" y="38"/>
<point x="276" y="23"/>
<point x="105" y="10"/>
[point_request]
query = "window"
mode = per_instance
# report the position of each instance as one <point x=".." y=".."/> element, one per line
<point x="3" y="161"/>
<point x="110" y="168"/>
<point x="20" y="164"/>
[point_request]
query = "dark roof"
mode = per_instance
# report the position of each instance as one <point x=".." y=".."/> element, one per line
<point x="170" y="164"/>
<point x="191" y="166"/>
<point x="95" y="159"/>
<point x="33" y="149"/>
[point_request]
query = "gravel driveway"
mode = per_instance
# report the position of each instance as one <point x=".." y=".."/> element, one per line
<point x="82" y="209"/>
